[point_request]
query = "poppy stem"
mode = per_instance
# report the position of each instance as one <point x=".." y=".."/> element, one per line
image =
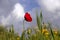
<point x="23" y="25"/>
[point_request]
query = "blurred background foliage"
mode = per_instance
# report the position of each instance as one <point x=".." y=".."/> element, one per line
<point x="8" y="35"/>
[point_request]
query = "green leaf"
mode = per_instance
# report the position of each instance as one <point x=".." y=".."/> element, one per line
<point x="38" y="20"/>
<point x="41" y="17"/>
<point x="51" y="30"/>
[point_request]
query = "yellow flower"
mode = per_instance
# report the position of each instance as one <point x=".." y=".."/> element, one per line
<point x="18" y="38"/>
<point x="47" y="33"/>
<point x="55" y="32"/>
<point x="44" y="30"/>
<point x="28" y="31"/>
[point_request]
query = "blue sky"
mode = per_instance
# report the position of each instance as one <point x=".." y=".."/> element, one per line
<point x="29" y="4"/>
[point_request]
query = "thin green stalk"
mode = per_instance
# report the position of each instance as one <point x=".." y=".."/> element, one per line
<point x="23" y="25"/>
<point x="51" y="31"/>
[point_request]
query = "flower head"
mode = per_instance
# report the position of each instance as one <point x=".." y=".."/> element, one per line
<point x="28" y="17"/>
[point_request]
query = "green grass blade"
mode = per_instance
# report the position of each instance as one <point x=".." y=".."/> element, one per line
<point x="41" y="16"/>
<point x="51" y="31"/>
<point x="23" y="36"/>
<point x="38" y="20"/>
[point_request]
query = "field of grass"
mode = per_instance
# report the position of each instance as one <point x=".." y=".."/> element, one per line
<point x="42" y="31"/>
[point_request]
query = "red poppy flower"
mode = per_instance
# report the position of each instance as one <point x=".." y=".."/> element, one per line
<point x="27" y="17"/>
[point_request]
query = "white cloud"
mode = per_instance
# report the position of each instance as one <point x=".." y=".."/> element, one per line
<point x="18" y="11"/>
<point x="51" y="6"/>
<point x="11" y="12"/>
